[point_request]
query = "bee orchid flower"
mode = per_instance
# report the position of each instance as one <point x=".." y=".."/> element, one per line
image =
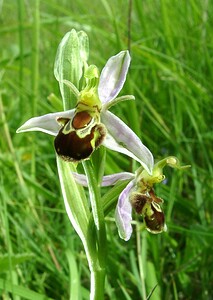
<point x="139" y="195"/>
<point x="79" y="131"/>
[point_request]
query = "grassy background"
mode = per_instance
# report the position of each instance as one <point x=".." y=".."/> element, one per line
<point x="171" y="77"/>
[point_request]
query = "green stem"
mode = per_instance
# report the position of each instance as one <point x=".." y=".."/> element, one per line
<point x="97" y="209"/>
<point x="97" y="284"/>
<point x="79" y="215"/>
<point x="98" y="267"/>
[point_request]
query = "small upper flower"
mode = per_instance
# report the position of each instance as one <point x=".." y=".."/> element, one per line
<point x="81" y="130"/>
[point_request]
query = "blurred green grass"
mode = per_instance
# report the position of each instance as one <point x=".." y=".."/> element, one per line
<point x="171" y="77"/>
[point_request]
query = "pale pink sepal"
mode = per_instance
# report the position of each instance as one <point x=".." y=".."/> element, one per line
<point x="122" y="139"/>
<point x="107" y="180"/>
<point x="113" y="76"/>
<point x="123" y="213"/>
<point x="46" y="123"/>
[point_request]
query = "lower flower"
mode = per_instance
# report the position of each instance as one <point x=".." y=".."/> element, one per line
<point x="138" y="195"/>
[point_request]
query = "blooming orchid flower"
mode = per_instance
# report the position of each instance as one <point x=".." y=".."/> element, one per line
<point x="79" y="131"/>
<point x="138" y="195"/>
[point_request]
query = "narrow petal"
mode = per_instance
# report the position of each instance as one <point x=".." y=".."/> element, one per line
<point x="46" y="123"/>
<point x="113" y="76"/>
<point x="106" y="106"/>
<point x="123" y="213"/>
<point x="122" y="139"/>
<point x="107" y="180"/>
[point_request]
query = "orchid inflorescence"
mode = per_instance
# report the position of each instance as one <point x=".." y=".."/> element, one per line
<point x="79" y="131"/>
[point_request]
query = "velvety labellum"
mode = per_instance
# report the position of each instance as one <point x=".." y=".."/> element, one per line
<point x="71" y="147"/>
<point x="148" y="206"/>
<point x="138" y="201"/>
<point x="155" y="221"/>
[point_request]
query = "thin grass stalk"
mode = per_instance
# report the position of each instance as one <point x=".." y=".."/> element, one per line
<point x="12" y="275"/>
<point x="21" y="51"/>
<point x="35" y="79"/>
<point x="17" y="168"/>
<point x="141" y="252"/>
<point x="129" y="25"/>
<point x="11" y="147"/>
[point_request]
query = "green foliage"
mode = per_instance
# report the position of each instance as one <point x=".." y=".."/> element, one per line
<point x="171" y="78"/>
<point x="9" y="262"/>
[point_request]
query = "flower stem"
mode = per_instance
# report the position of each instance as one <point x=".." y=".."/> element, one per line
<point x="83" y="222"/>
<point x="97" y="284"/>
<point x="98" y="267"/>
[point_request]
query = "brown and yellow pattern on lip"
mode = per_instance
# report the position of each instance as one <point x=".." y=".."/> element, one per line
<point x="148" y="205"/>
<point x="77" y="140"/>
